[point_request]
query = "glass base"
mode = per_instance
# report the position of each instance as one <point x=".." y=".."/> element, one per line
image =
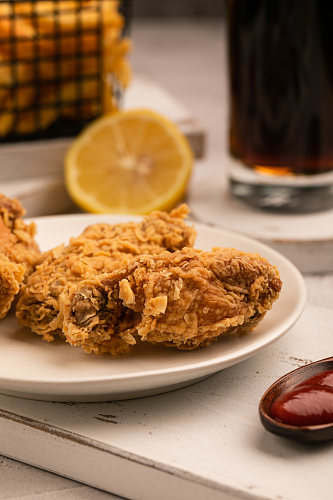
<point x="299" y="194"/>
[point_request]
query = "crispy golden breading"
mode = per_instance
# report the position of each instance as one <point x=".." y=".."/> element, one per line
<point x="19" y="252"/>
<point x="184" y="299"/>
<point x="101" y="248"/>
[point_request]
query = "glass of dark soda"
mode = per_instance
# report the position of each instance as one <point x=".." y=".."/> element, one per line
<point x="280" y="56"/>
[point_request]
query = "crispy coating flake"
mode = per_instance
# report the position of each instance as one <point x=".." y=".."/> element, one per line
<point x="184" y="299"/>
<point x="101" y="248"/>
<point x="19" y="252"/>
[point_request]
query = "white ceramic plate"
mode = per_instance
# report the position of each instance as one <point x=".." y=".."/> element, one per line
<point x="34" y="369"/>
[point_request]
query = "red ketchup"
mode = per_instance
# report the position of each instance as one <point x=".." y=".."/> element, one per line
<point x="308" y="403"/>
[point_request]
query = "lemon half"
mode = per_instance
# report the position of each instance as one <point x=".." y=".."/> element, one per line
<point x="129" y="162"/>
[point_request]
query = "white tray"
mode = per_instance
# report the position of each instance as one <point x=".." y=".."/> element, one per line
<point x="202" y="442"/>
<point x="306" y="239"/>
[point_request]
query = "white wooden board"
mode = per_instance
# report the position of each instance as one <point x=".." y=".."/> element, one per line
<point x="305" y="239"/>
<point x="201" y="442"/>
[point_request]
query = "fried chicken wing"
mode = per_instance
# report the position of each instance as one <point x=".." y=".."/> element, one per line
<point x="186" y="299"/>
<point x="101" y="248"/>
<point x="19" y="252"/>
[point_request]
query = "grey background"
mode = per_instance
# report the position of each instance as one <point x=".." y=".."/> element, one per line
<point x="178" y="8"/>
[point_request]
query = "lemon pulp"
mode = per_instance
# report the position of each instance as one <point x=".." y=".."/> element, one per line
<point x="129" y="162"/>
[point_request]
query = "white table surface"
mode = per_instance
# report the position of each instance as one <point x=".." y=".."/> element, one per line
<point x="187" y="59"/>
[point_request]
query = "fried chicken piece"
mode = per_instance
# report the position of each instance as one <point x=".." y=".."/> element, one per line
<point x="18" y="251"/>
<point x="186" y="299"/>
<point x="99" y="249"/>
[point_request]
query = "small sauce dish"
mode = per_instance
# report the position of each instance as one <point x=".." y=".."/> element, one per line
<point x="301" y="388"/>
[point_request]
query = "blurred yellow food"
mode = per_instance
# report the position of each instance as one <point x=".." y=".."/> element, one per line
<point x="13" y="97"/>
<point x="73" y="54"/>
<point x="129" y="162"/>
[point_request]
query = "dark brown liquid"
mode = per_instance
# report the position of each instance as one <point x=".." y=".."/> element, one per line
<point x="281" y="72"/>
